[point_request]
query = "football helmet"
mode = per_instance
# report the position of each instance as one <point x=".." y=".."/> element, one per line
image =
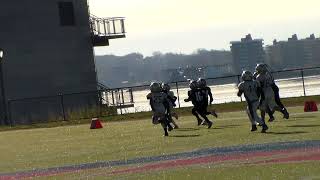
<point x="246" y="76"/>
<point x="155" y="87"/>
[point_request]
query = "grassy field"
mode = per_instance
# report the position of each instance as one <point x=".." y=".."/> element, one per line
<point x="308" y="171"/>
<point x="290" y="171"/>
<point x="71" y="145"/>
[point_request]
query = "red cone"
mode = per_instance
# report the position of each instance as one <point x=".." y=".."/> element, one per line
<point x="96" y="123"/>
<point x="314" y="106"/>
<point x="310" y="106"/>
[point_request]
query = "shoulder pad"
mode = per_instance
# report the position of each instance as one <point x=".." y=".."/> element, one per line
<point x="149" y="95"/>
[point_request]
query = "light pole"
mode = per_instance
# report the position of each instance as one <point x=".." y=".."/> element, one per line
<point x="4" y="104"/>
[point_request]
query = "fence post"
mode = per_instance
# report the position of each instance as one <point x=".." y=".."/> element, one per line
<point x="239" y="83"/>
<point x="100" y="102"/>
<point x="122" y="96"/>
<point x="303" y="85"/>
<point x="119" y="103"/>
<point x="62" y="106"/>
<point x="113" y="103"/>
<point x="131" y="95"/>
<point x="9" y="114"/>
<point x="178" y="94"/>
<point x="114" y="26"/>
<point x="122" y="26"/>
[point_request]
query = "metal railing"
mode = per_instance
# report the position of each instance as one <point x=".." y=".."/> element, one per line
<point x="106" y="102"/>
<point x="107" y="26"/>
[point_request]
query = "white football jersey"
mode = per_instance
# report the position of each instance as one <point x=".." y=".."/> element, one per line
<point x="265" y="80"/>
<point x="249" y="89"/>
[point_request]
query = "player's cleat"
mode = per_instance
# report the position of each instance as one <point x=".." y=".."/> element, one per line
<point x="199" y="122"/>
<point x="271" y="119"/>
<point x="285" y="114"/>
<point x="204" y="123"/>
<point x="166" y="133"/>
<point x="264" y="128"/>
<point x="170" y="128"/>
<point x="210" y="124"/>
<point x="176" y="127"/>
<point x="253" y="128"/>
<point x="213" y="113"/>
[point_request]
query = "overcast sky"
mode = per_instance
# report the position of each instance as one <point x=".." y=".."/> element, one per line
<point x="186" y="25"/>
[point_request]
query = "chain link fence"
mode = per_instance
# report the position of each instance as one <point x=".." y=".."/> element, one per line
<point x="107" y="102"/>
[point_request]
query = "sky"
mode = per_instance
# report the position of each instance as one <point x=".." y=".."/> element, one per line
<point x="183" y="26"/>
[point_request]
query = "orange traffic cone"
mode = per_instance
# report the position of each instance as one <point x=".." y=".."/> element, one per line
<point x="310" y="106"/>
<point x="306" y="106"/>
<point x="314" y="106"/>
<point x="96" y="123"/>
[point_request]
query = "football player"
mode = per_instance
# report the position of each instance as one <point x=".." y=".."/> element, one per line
<point x="268" y="103"/>
<point x="196" y="97"/>
<point x="206" y="91"/>
<point x="159" y="104"/>
<point x="172" y="99"/>
<point x="270" y="113"/>
<point x="252" y="93"/>
<point x="275" y="89"/>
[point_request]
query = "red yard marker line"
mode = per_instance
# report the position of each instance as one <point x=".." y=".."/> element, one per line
<point x="296" y="158"/>
<point x="246" y="157"/>
<point x="211" y="159"/>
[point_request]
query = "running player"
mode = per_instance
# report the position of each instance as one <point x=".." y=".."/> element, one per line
<point x="172" y="99"/>
<point x="268" y="103"/>
<point x="270" y="113"/>
<point x="159" y="104"/>
<point x="252" y="92"/>
<point x="275" y="89"/>
<point x="196" y="97"/>
<point x="206" y="91"/>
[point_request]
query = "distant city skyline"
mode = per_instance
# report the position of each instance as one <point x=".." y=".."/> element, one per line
<point x="185" y="26"/>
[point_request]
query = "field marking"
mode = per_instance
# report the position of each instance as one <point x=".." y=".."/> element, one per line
<point x="245" y="157"/>
<point x="199" y="155"/>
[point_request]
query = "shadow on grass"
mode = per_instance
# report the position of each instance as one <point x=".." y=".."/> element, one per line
<point x="187" y="135"/>
<point x="284" y="133"/>
<point x="228" y="126"/>
<point x="222" y="127"/>
<point x="187" y="129"/>
<point x="305" y="116"/>
<point x="309" y="125"/>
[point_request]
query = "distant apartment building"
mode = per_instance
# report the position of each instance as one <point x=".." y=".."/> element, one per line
<point x="247" y="53"/>
<point x="294" y="53"/>
<point x="218" y="70"/>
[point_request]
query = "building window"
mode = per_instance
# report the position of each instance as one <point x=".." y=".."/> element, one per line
<point x="66" y="13"/>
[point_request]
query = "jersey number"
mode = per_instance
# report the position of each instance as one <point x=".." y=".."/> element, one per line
<point x="199" y="96"/>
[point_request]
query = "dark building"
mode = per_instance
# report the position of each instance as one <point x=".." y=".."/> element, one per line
<point x="48" y="50"/>
<point x="218" y="70"/>
<point x="247" y="53"/>
<point x="294" y="53"/>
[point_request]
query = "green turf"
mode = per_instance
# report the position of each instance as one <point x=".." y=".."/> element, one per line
<point x="285" y="171"/>
<point x="307" y="170"/>
<point x="51" y="147"/>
